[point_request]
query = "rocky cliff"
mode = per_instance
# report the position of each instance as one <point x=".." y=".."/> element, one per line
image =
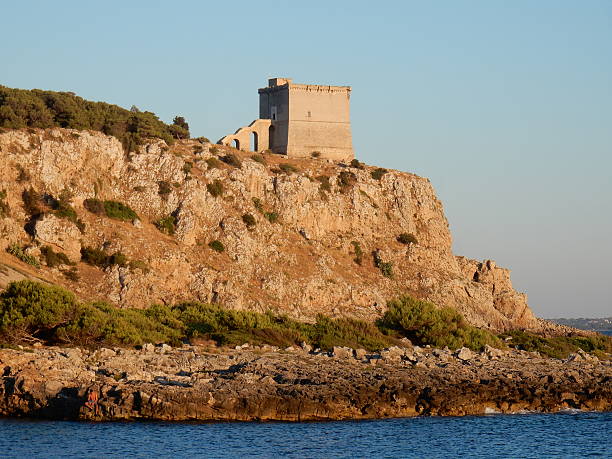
<point x="324" y="238"/>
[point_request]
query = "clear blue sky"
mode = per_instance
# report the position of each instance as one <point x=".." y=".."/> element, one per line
<point x="505" y="105"/>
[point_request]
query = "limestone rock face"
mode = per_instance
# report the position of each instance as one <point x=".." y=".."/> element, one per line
<point x="60" y="234"/>
<point x="311" y="249"/>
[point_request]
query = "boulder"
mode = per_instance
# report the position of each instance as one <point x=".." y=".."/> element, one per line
<point x="60" y="234"/>
<point x="492" y="352"/>
<point x="392" y="354"/>
<point x="163" y="348"/>
<point x="359" y="354"/>
<point x="104" y="353"/>
<point x="581" y="356"/>
<point x="342" y="352"/>
<point x="464" y="354"/>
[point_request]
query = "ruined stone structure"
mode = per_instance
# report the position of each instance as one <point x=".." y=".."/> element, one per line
<point x="299" y="119"/>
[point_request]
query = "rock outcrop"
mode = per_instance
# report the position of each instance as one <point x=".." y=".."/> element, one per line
<point x="311" y="249"/>
<point x="252" y="383"/>
<point x="61" y="235"/>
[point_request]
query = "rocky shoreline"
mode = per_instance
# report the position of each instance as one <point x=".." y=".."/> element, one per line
<point x="195" y="383"/>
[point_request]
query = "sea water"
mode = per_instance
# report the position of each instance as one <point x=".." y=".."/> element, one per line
<point x="569" y="434"/>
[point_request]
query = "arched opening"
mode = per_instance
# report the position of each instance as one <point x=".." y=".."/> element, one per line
<point x="236" y="144"/>
<point x="254" y="141"/>
<point x="271" y="138"/>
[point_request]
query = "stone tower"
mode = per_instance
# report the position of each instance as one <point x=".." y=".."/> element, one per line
<point x="299" y="119"/>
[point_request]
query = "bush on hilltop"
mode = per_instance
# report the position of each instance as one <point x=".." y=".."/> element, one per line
<point x="20" y="108"/>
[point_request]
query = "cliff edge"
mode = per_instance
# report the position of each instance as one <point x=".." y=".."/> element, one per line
<point x="298" y="236"/>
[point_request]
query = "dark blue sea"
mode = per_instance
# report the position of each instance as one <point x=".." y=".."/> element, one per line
<point x="575" y="434"/>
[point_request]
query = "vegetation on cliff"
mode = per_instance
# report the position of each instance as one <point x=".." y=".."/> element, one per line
<point x="20" y="108"/>
<point x="31" y="311"/>
<point x="560" y="346"/>
<point x="422" y="322"/>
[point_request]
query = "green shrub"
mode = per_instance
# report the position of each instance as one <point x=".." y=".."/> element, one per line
<point x="213" y="163"/>
<point x="249" y="220"/>
<point x="4" y="207"/>
<point x="377" y="174"/>
<point x="30" y="309"/>
<point x="22" y="174"/>
<point x="232" y="160"/>
<point x="138" y="264"/>
<point x="288" y="168"/>
<point x="18" y="252"/>
<point x="217" y="246"/>
<point x="259" y="159"/>
<point x="72" y="274"/>
<point x="406" y="238"/>
<point x="258" y="205"/>
<point x="272" y="217"/>
<point x="202" y="139"/>
<point x="386" y="267"/>
<point x="558" y="347"/>
<point x="325" y="183"/>
<point x="167" y="225"/>
<point x="119" y="211"/>
<point x="118" y="258"/>
<point x="164" y="189"/>
<point x="423" y="323"/>
<point x="32" y="201"/>
<point x="94" y="256"/>
<point x="327" y="333"/>
<point x="215" y="188"/>
<point x="95" y="206"/>
<point x="101" y="259"/>
<point x="102" y="323"/>
<point x="358" y="252"/>
<point x="187" y="167"/>
<point x="357" y="164"/>
<point x="229" y="327"/>
<point x="346" y="181"/>
<point x="63" y="209"/>
<point x="53" y="259"/>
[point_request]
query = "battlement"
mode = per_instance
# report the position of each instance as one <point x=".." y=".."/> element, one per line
<point x="274" y="82"/>
<point x="281" y="84"/>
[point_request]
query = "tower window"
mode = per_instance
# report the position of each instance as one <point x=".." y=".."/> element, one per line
<point x="308" y="115"/>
